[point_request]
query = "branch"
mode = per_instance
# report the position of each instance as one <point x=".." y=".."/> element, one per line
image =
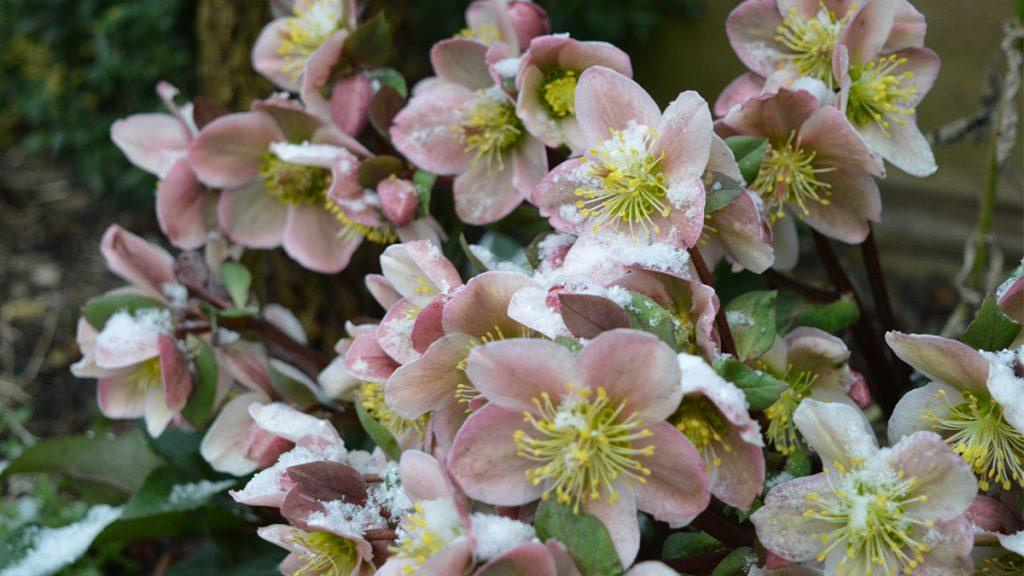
<point x="723" y="529"/>
<point x="728" y="344"/>
<point x="307" y="359"/>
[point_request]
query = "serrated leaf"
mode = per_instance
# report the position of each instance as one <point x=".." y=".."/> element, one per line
<point x="721" y="191"/>
<point x="199" y="408"/>
<point x="237" y="279"/>
<point x="98" y="310"/>
<point x="751" y="319"/>
<point x="391" y="78"/>
<point x="120" y="462"/>
<point x="647" y="315"/>
<point x="831" y="317"/>
<point x="760" y="389"/>
<point x="380" y="435"/>
<point x="991" y="330"/>
<point x="369" y="45"/>
<point x="736" y="563"/>
<point x="686" y="544"/>
<point x="749" y="152"/>
<point x="584" y="536"/>
<point x="378" y="168"/>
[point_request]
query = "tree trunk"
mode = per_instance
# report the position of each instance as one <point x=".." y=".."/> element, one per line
<point x="225" y="32"/>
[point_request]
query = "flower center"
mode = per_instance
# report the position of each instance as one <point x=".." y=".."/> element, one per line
<point x="383" y="234"/>
<point x="559" y="92"/>
<point x="294" y="183"/>
<point x="782" y="431"/>
<point x="811" y="42"/>
<point x="583" y="445"/>
<point x="626" y="184"/>
<point x="868" y="510"/>
<point x="147" y="375"/>
<point x="325" y="554"/>
<point x="432" y="525"/>
<point x="878" y="94"/>
<point x="371" y="398"/>
<point x="977" y="431"/>
<point x="788" y="176"/>
<point x="312" y="24"/>
<point x="492" y="127"/>
<point x="702" y="423"/>
<point x="1005" y="565"/>
<point x="485" y="33"/>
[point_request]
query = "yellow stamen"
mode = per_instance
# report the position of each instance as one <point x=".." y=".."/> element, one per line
<point x="789" y="177"/>
<point x="881" y="95"/>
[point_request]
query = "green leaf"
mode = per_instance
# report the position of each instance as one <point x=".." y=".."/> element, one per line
<point x="584" y="536"/>
<point x="378" y="168"/>
<point x="199" y="408"/>
<point x="647" y="315"/>
<point x="685" y="544"/>
<point x="98" y="310"/>
<point x="991" y="330"/>
<point x="380" y="435"/>
<point x="749" y="153"/>
<point x="751" y="320"/>
<point x="390" y="77"/>
<point x="180" y="449"/>
<point x="120" y="462"/>
<point x="237" y="280"/>
<point x="424" y="182"/>
<point x="369" y="45"/>
<point x="721" y="191"/>
<point x="798" y="463"/>
<point x="736" y="563"/>
<point x="572" y="344"/>
<point x="259" y="558"/>
<point x="761" y="389"/>
<point x="167" y="489"/>
<point x="831" y="317"/>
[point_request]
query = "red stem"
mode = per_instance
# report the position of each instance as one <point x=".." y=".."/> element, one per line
<point x="310" y="361"/>
<point x="779" y="280"/>
<point x="728" y="344"/>
<point x="723" y="529"/>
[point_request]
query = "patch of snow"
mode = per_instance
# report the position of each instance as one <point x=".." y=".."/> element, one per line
<point x="495" y="535"/>
<point x="54" y="548"/>
<point x="195" y="492"/>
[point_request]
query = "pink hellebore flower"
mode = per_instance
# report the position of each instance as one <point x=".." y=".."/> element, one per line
<point x="872" y="510"/>
<point x="158" y="143"/>
<point x="817" y="166"/>
<point x="715" y="417"/>
<point x="881" y="86"/>
<point x="546" y="85"/>
<point x="439" y="536"/>
<point x="275" y="192"/>
<point x="641" y="174"/>
<point x="463" y="124"/>
<point x="588" y="431"/>
<point x="975" y="400"/>
<point x="1010" y="561"/>
<point x="345" y="101"/>
<point x="286" y="44"/>
<point x="234" y="444"/>
<point x="437" y="382"/>
<point x="510" y="23"/>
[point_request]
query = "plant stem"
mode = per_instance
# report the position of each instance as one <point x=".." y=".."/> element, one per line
<point x="877" y="281"/>
<point x="724" y="530"/>
<point x="728" y="344"/>
<point x="885" y="388"/>
<point x="310" y="361"/>
<point x="780" y="280"/>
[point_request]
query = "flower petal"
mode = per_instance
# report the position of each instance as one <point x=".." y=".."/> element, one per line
<point x="137" y="261"/>
<point x="461" y="61"/>
<point x="312" y="238"/>
<point x="252" y="217"/>
<point x="942" y="360"/>
<point x="153" y="142"/>
<point x="684" y="136"/>
<point x="677" y="489"/>
<point x="839" y="433"/>
<point x="430" y="382"/>
<point x="781" y="525"/>
<point x="510" y="373"/>
<point x="229" y="151"/>
<point x="424" y="130"/>
<point x="938" y="473"/>
<point x="606" y="101"/>
<point x="182" y="206"/>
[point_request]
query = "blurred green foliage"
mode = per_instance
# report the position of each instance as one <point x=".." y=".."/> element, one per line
<point x="72" y="67"/>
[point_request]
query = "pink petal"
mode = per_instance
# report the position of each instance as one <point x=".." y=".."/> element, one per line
<point x="636" y="368"/>
<point x="530" y="165"/>
<point x="651" y="568"/>
<point x="267" y="58"/>
<point x="684" y="136"/>
<point x="252" y="217"/>
<point x="229" y="151"/>
<point x="422" y="476"/>
<point x="157" y="415"/>
<point x="153" y="142"/>
<point x="606" y="101"/>
<point x="367" y="361"/>
<point x="224" y="443"/>
<point x="454" y="558"/>
<point x="486" y="193"/>
<point x="744" y="234"/>
<point x="908" y="416"/>
<point x="853" y="201"/>
<point x="481" y="307"/>
<point x="177" y="382"/>
<point x="484" y="459"/>
<point x="677" y="489"/>
<point x="751" y="27"/>
<point x="840" y="434"/>
<point x="137" y="261"/>
<point x="619" y="518"/>
<point x="781" y="525"/>
<point x="531" y="558"/>
<point x="350" y="103"/>
<point x="511" y="373"/>
<point x="119" y="399"/>
<point x="395" y="331"/>
<point x="182" y="206"/>
<point x="740" y="477"/>
<point x="558" y="189"/>
<point x="427" y="328"/>
<point x="312" y="238"/>
<point x="908" y="29"/>
<point x="867" y="32"/>
<point x="399" y="200"/>
<point x="772" y="116"/>
<point x="743" y="88"/>
<point x="588" y="315"/>
<point x="461" y="61"/>
<point x="381" y="290"/>
<point x="425" y="130"/>
<point x="942" y="360"/>
<point x="419" y="271"/>
<point x="812" y="349"/>
<point x="1011" y="298"/>
<point x="430" y="382"/>
<point x="938" y="472"/>
<point x="836" y="143"/>
<point x="951" y="554"/>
